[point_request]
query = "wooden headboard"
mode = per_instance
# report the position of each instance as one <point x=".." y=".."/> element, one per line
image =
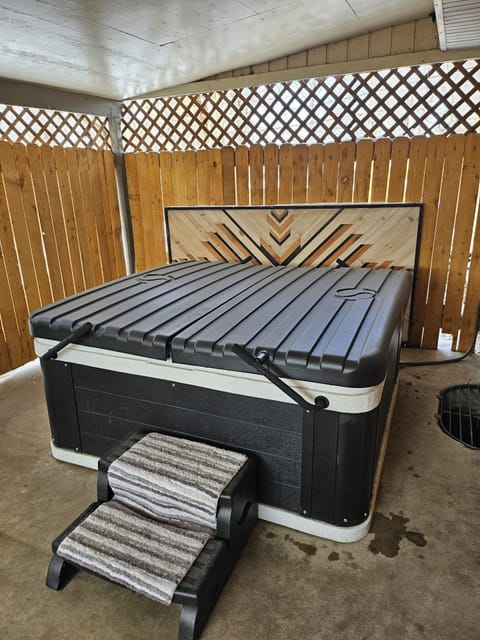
<point x="357" y="235"/>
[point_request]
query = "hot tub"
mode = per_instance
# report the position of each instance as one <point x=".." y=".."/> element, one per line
<point x="294" y="365"/>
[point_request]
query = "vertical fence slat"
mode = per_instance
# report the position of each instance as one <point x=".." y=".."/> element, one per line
<point x="443" y="238"/>
<point x="398" y="170"/>
<point x="114" y="210"/>
<point x="330" y="172"/>
<point x="89" y="200"/>
<point x="228" y="174"/>
<point x="431" y="190"/>
<point x="178" y="179"/>
<point x="315" y="172"/>
<point x="270" y="156"/>
<point x="299" y="176"/>
<point x="159" y="254"/>
<point x="88" y="261"/>
<point x="416" y="169"/>
<point x="5" y="362"/>
<point x="13" y="190"/>
<point x="190" y="177"/>
<point x="46" y="224"/>
<point x="380" y="170"/>
<point x="56" y="213"/>
<point x="69" y="217"/>
<point x="146" y="208"/>
<point x="242" y="178"/>
<point x="285" y="177"/>
<point x="135" y="210"/>
<point x="13" y="356"/>
<point x="14" y="305"/>
<point x="363" y="171"/>
<point x="255" y="158"/>
<point x="472" y="298"/>
<point x="346" y="172"/>
<point x="33" y="224"/>
<point x="464" y="226"/>
<point x="104" y="231"/>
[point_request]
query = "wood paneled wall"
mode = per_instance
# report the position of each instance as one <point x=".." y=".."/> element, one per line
<point x="440" y="172"/>
<point x="59" y="234"/>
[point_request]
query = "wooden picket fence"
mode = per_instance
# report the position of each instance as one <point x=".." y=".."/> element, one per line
<point x="59" y="234"/>
<point x="441" y="172"/>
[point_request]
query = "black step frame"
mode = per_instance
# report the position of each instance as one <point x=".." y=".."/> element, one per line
<point x="198" y="592"/>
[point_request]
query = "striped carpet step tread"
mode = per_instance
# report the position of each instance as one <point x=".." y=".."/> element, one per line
<point x="133" y="550"/>
<point x="174" y="479"/>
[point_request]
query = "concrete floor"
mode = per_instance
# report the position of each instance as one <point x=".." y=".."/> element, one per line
<point x="416" y="575"/>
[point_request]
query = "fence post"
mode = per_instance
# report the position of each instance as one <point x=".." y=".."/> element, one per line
<point x="122" y="189"/>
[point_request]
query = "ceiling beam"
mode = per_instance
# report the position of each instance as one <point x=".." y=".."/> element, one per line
<point x="39" y="96"/>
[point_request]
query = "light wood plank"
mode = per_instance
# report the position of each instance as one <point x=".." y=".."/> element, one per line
<point x="32" y="221"/>
<point x="90" y="252"/>
<point x="5" y="363"/>
<point x="147" y="216"/>
<point x="270" y="155"/>
<point x="104" y="230"/>
<point x="56" y="212"/>
<point x="416" y="169"/>
<point x="228" y="173"/>
<point x="179" y="186"/>
<point x="114" y="210"/>
<point x="317" y="55"/>
<point x="337" y="52"/>
<point x="297" y="60"/>
<point x="135" y="210"/>
<point x="346" y="171"/>
<point x="452" y="169"/>
<point x="431" y="189"/>
<point x="166" y="175"/>
<point x="13" y="305"/>
<point x="159" y="249"/>
<point x="380" y="43"/>
<point x="299" y="177"/>
<point x="472" y="297"/>
<point x="69" y="217"/>
<point x="279" y="64"/>
<point x="403" y="38"/>
<point x="363" y="171"/>
<point x="190" y="168"/>
<point x="464" y="225"/>
<point x="13" y="356"/>
<point x="380" y="170"/>
<point x="426" y="35"/>
<point x="13" y="184"/>
<point x="330" y="172"/>
<point x="398" y="169"/>
<point x="89" y="262"/>
<point x="285" y="163"/>
<point x="357" y="48"/>
<point x="315" y="173"/>
<point x="242" y="177"/>
<point x="255" y="158"/>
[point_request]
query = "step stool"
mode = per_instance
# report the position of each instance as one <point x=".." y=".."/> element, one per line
<point x="171" y="519"/>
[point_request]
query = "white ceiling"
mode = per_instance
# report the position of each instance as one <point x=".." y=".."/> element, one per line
<point x="119" y="49"/>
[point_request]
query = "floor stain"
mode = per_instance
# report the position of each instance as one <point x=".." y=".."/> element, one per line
<point x="333" y="556"/>
<point x="389" y="531"/>
<point x="270" y="534"/>
<point x="308" y="549"/>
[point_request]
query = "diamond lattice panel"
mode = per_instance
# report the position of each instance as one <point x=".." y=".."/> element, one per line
<point x="431" y="99"/>
<point x="52" y="128"/>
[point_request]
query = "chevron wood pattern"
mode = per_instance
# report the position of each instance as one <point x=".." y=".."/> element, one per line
<point x="376" y="236"/>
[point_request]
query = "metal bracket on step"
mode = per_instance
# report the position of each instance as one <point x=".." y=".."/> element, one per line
<point x="78" y="333"/>
<point x="260" y="363"/>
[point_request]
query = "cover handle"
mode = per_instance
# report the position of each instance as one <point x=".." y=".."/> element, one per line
<point x="260" y="363"/>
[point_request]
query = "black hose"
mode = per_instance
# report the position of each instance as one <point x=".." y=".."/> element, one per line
<point x="471" y="349"/>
